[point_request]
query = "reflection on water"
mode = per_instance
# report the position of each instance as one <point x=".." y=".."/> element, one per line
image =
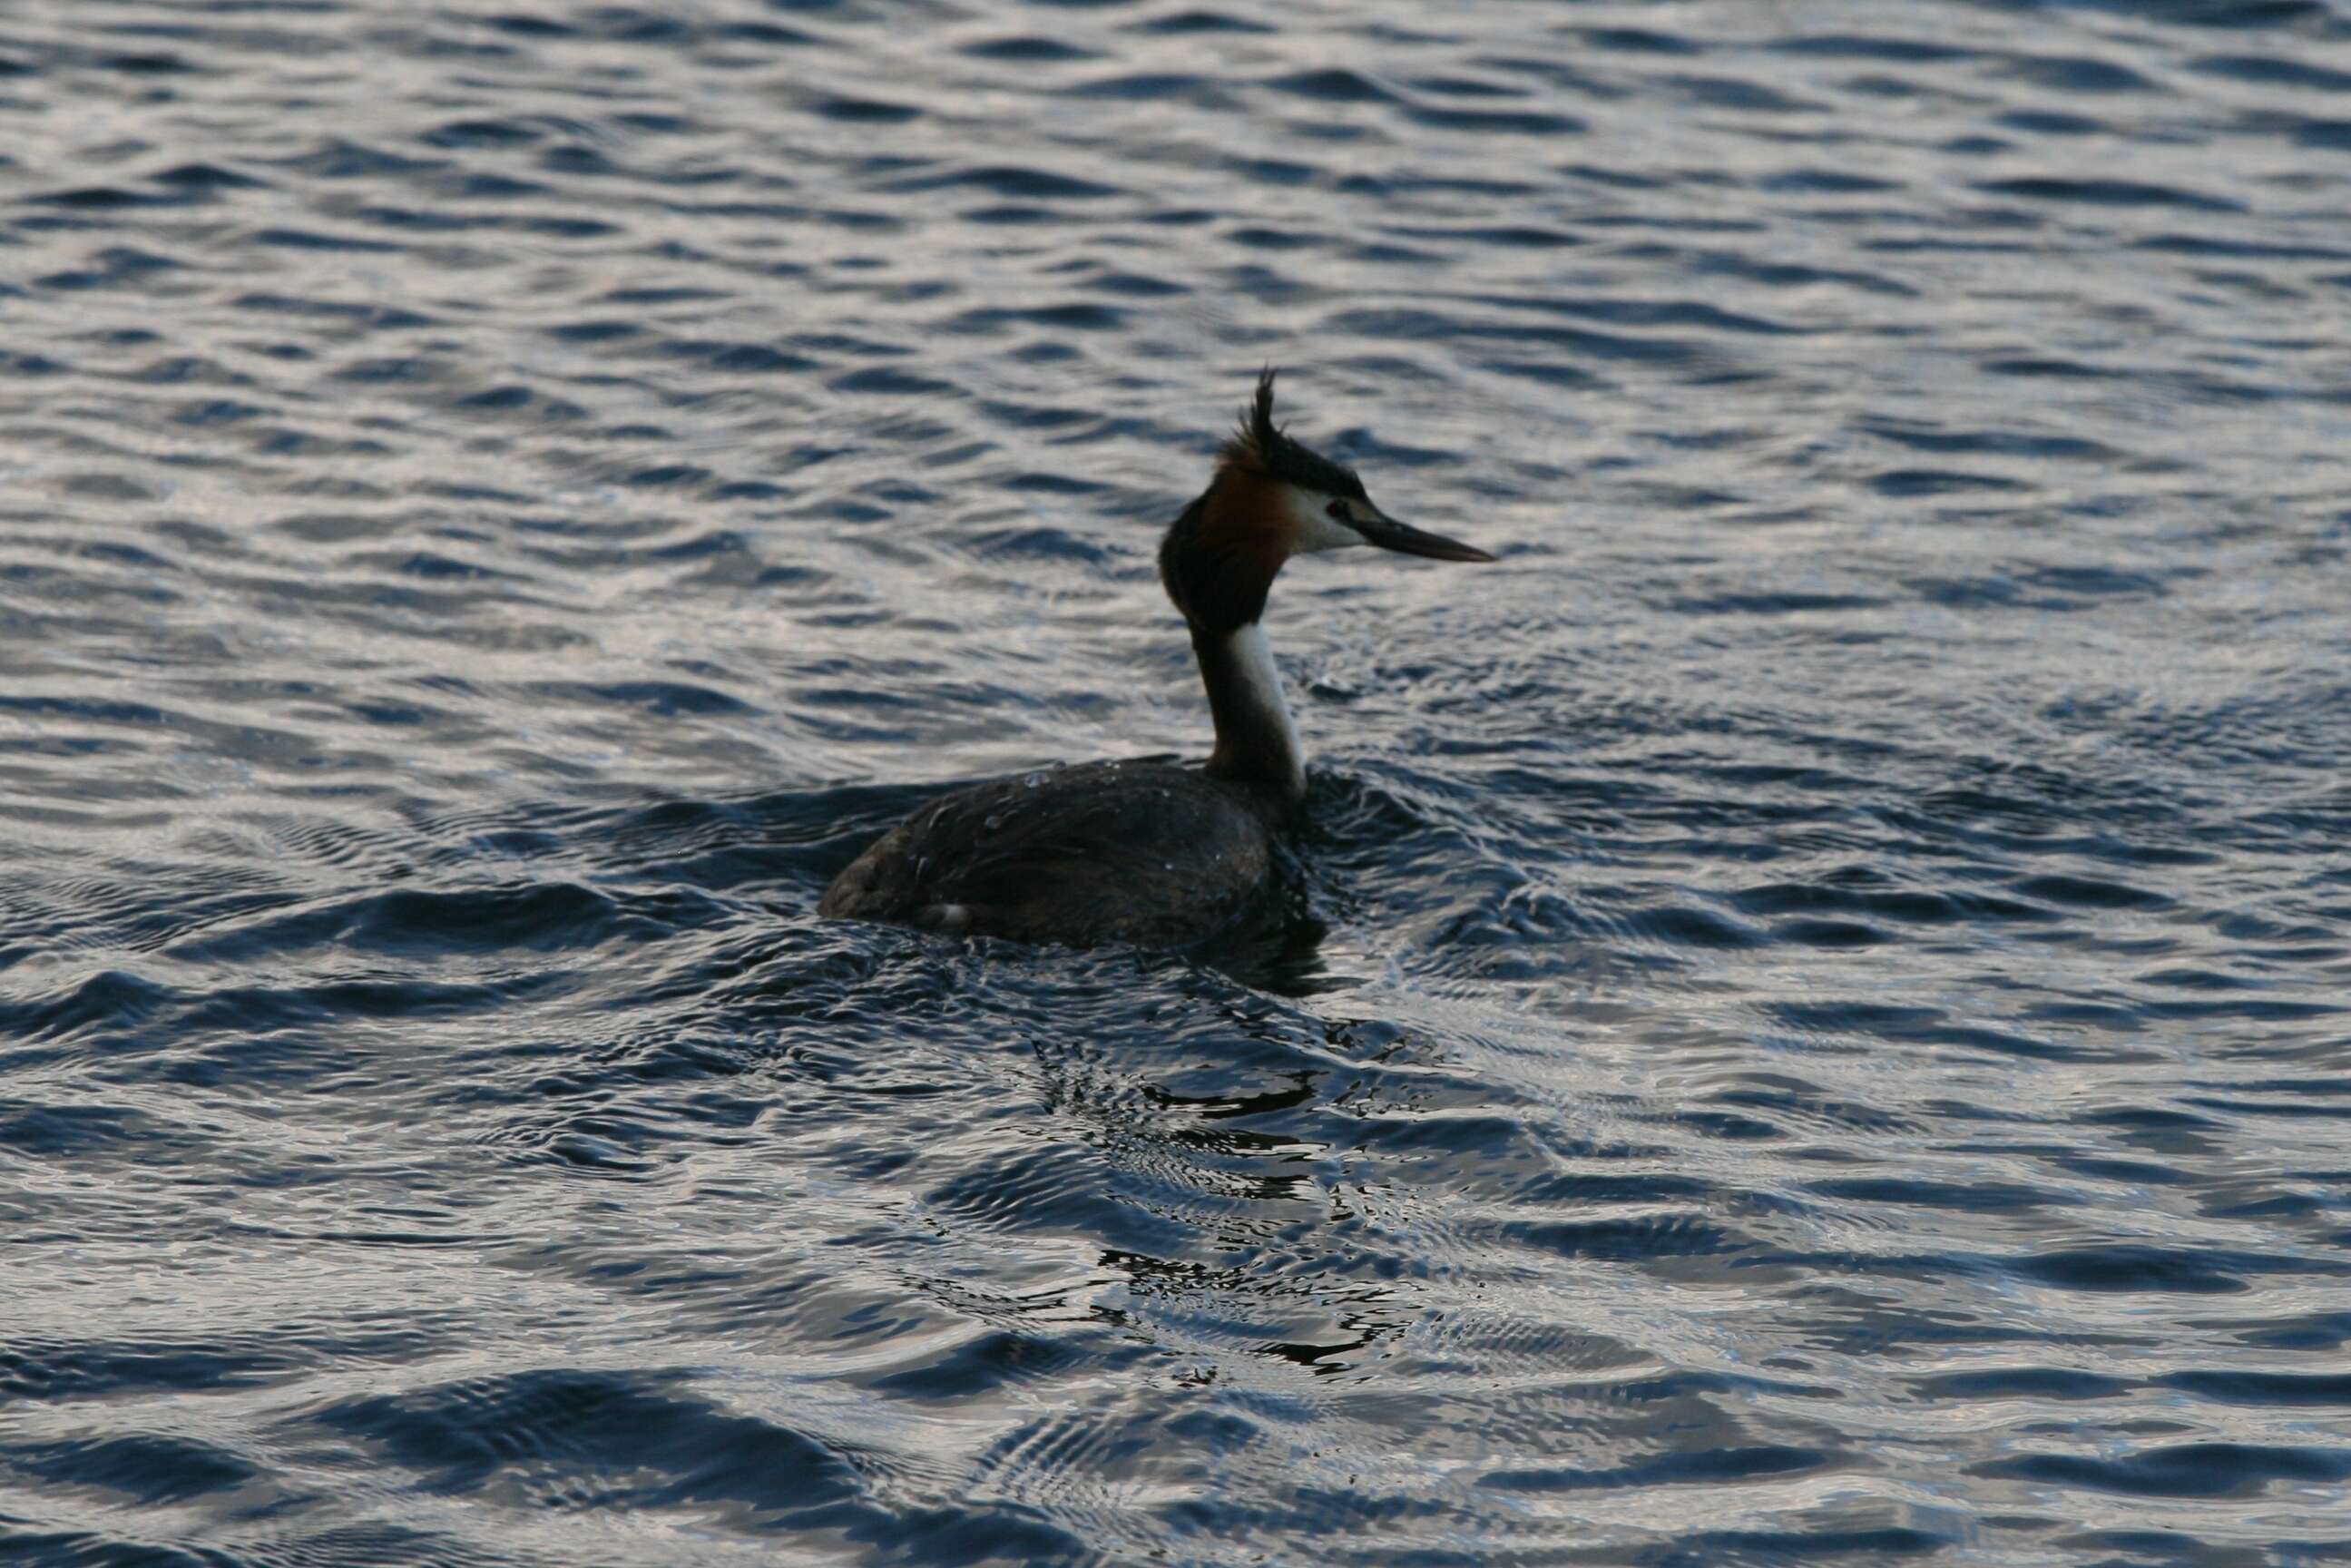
<point x="1812" y="1027"/>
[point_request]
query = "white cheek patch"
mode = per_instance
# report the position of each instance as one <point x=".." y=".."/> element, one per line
<point x="1313" y="528"/>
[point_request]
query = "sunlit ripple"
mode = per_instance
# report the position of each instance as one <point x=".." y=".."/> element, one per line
<point x="1814" y="1025"/>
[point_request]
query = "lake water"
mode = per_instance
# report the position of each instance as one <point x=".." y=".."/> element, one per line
<point x="1820" y="1026"/>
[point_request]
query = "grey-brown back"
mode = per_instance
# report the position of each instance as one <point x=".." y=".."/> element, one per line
<point x="1146" y="852"/>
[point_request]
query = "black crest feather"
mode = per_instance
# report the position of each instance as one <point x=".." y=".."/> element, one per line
<point x="1257" y="421"/>
<point x="1263" y="442"/>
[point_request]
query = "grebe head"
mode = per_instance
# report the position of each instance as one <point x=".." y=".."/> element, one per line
<point x="1274" y="497"/>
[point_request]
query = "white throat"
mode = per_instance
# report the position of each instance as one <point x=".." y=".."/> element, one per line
<point x="1255" y="687"/>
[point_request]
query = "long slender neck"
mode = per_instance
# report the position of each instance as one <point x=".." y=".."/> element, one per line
<point x="1256" y="742"/>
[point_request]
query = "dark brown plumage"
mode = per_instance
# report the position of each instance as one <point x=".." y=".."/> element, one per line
<point x="1074" y="855"/>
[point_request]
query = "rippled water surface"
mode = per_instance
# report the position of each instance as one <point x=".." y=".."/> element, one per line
<point x="1818" y="1027"/>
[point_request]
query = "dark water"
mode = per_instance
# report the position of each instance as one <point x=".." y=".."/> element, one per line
<point x="1822" y="1034"/>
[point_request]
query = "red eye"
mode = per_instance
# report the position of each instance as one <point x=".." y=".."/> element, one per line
<point x="1337" y="509"/>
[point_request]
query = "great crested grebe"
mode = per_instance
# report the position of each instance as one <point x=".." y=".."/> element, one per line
<point x="1152" y="853"/>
